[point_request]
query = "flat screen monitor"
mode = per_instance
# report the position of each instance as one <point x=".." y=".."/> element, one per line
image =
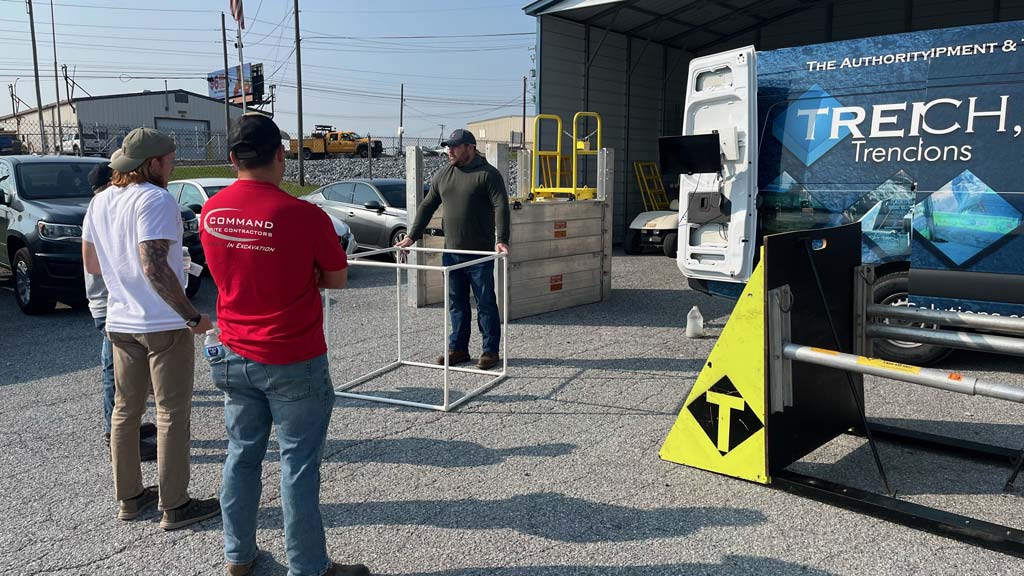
<point x="694" y="154"/>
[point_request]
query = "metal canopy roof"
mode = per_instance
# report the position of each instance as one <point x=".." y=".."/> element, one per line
<point x="692" y="25"/>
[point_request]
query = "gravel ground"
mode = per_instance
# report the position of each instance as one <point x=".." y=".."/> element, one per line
<point x="321" y="172"/>
<point x="553" y="472"/>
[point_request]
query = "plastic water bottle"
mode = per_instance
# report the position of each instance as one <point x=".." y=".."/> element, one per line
<point x="694" y="324"/>
<point x="186" y="258"/>
<point x="213" y="350"/>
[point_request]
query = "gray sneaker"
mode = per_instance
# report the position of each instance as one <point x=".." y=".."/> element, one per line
<point x="131" y="508"/>
<point x="191" y="512"/>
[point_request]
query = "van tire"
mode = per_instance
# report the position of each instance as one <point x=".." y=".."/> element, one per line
<point x="894" y="289"/>
<point x="668" y="246"/>
<point x="631" y="245"/>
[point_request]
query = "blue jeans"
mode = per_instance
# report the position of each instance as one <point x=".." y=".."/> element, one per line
<point x="481" y="279"/>
<point x="107" y="362"/>
<point x="298" y="400"/>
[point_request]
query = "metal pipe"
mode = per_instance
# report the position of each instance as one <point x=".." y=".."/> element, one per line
<point x="444" y="335"/>
<point x="398" y="303"/>
<point x="946" y="318"/>
<point x="964" y="340"/>
<point x="949" y="381"/>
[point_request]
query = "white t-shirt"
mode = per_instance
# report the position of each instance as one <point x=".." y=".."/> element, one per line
<point x="116" y="222"/>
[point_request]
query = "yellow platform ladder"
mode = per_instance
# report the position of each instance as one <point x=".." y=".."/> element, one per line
<point x="652" y="188"/>
<point x="550" y="170"/>
<point x="545" y="158"/>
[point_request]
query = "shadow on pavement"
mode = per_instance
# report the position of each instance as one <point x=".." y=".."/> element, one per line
<point x="730" y="565"/>
<point x="413" y="451"/>
<point x="544" y="514"/>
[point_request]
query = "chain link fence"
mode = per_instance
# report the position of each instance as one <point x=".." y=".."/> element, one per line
<point x="203" y="153"/>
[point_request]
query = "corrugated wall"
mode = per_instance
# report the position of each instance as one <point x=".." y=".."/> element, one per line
<point x="648" y="103"/>
<point x="142" y="110"/>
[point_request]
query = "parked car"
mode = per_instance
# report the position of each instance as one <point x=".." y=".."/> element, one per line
<point x="373" y="208"/>
<point x="193" y="194"/>
<point x="43" y="200"/>
<point x="85" y="144"/>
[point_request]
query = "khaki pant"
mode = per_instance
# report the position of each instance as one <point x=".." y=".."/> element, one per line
<point x="164" y="361"/>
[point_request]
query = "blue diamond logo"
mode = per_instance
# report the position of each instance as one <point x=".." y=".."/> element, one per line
<point x="964" y="217"/>
<point x="804" y="126"/>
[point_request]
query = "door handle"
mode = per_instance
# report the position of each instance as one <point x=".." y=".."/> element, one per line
<point x="352" y="214"/>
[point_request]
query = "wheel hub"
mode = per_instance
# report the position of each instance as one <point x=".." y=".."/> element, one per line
<point x="23" y="282"/>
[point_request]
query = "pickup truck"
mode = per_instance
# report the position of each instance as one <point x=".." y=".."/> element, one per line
<point x="83" y="144"/>
<point x="326" y="141"/>
<point x="917" y="136"/>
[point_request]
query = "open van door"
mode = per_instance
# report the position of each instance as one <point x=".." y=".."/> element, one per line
<point x="717" y="212"/>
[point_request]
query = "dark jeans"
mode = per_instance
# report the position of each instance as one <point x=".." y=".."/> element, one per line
<point x="481" y="279"/>
<point x="107" y="362"/>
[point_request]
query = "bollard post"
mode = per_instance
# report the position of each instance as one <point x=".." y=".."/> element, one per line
<point x="417" y="291"/>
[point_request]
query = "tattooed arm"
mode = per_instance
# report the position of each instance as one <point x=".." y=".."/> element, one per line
<point x="153" y="254"/>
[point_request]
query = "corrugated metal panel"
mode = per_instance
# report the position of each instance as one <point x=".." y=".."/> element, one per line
<point x="143" y="110"/>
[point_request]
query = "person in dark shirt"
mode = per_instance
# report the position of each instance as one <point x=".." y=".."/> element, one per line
<point x="476" y="217"/>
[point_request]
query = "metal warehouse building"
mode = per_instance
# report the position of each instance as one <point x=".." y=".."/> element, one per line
<point x="628" y="59"/>
<point x="196" y="121"/>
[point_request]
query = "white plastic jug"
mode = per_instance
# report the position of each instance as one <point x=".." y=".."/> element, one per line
<point x="694" y="324"/>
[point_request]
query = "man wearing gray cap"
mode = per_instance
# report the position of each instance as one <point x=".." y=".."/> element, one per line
<point x="132" y="236"/>
<point x="476" y="217"/>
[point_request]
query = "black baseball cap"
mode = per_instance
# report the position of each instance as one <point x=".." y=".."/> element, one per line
<point x="460" y="136"/>
<point x="100" y="175"/>
<point x="253" y="135"/>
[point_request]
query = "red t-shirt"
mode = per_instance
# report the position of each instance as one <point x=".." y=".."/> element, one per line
<point x="263" y="247"/>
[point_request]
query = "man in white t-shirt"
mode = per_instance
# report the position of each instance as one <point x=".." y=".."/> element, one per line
<point x="132" y="236"/>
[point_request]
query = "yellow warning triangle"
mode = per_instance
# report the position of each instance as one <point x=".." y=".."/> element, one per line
<point x="721" y="427"/>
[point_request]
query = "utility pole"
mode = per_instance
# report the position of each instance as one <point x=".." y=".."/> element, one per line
<point x="35" y="65"/>
<point x="298" y="92"/>
<point x="14" y="108"/>
<point x="227" y="105"/>
<point x="522" y="144"/>
<point x="56" y="84"/>
<point x="401" y="117"/>
<point x="273" y="98"/>
<point x="241" y="65"/>
<point x="441" y="137"/>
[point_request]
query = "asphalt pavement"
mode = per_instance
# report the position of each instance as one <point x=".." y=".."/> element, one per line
<point x="553" y="472"/>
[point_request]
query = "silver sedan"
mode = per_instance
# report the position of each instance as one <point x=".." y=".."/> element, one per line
<point x="373" y="208"/>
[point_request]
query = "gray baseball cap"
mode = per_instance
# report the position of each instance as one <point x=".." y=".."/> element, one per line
<point x="139" y="145"/>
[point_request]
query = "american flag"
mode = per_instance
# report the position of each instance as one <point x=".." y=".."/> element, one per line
<point x="237" y="14"/>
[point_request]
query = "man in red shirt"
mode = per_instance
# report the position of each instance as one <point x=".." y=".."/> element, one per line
<point x="269" y="254"/>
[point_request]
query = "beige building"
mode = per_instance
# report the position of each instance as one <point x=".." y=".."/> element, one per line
<point x="500" y="129"/>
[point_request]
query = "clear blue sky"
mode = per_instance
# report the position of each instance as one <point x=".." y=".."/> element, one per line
<point x="351" y="71"/>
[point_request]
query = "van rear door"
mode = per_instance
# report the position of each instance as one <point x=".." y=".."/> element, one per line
<point x="717" y="212"/>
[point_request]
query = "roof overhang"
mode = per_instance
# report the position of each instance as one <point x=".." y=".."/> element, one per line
<point x="692" y="25"/>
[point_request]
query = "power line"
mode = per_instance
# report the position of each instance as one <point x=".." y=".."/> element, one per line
<point x="412" y="11"/>
<point x="121" y="27"/>
<point x="106" y="7"/>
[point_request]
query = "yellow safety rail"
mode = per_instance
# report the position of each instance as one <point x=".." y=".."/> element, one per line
<point x="652" y="188"/>
<point x="552" y="163"/>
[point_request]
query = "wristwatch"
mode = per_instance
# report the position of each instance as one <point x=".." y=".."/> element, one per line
<point x="193" y="322"/>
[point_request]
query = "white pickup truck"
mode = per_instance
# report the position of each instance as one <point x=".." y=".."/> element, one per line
<point x="84" y="144"/>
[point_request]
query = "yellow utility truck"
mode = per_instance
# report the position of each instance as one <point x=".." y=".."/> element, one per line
<point x="328" y="141"/>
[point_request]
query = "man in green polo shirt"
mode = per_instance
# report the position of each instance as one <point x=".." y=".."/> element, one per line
<point x="476" y="217"/>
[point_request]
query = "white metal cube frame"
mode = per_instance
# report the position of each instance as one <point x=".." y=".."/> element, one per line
<point x="398" y="264"/>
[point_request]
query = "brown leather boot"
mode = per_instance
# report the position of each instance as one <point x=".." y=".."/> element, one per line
<point x="488" y="360"/>
<point x="454" y="357"/>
